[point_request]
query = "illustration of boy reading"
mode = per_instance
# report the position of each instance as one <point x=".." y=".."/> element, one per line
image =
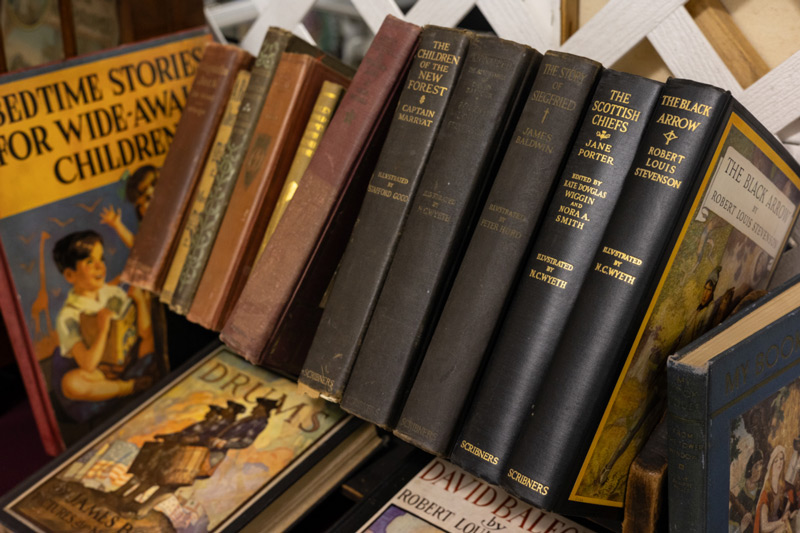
<point x="84" y="374"/>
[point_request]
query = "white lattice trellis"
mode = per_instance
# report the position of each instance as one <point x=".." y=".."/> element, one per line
<point x="610" y="34"/>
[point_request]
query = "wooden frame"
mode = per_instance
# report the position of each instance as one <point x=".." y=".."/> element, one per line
<point x="681" y="40"/>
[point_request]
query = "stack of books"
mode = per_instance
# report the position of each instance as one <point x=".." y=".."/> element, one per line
<point x="488" y="251"/>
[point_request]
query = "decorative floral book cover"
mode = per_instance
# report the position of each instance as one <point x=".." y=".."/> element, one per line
<point x="203" y="453"/>
<point x="81" y="143"/>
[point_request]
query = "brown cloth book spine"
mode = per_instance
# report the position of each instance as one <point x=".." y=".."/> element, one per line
<point x="149" y="259"/>
<point x="204" y="186"/>
<point x="328" y="197"/>
<point x="275" y="43"/>
<point x="646" y="492"/>
<point x="280" y="127"/>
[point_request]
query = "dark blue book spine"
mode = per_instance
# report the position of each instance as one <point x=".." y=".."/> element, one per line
<point x="687" y="416"/>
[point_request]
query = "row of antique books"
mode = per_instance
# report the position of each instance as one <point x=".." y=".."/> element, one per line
<point x="519" y="240"/>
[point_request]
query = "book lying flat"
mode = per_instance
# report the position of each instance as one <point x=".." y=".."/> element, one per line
<point x="209" y="450"/>
<point x="97" y="129"/>
<point x="429" y="495"/>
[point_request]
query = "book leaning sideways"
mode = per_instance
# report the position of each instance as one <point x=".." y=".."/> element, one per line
<point x="734" y="421"/>
<point x="220" y="444"/>
<point x="81" y="143"/>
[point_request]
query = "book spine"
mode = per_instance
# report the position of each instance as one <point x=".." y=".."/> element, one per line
<point x="393" y="184"/>
<point x="157" y="235"/>
<point x="646" y="491"/>
<point x="340" y="161"/>
<point x="326" y="103"/>
<point x="687" y="415"/>
<point x="29" y="368"/>
<point x="201" y="193"/>
<point x="287" y="109"/>
<point x="496" y="250"/>
<point x="597" y="336"/>
<point x="558" y="262"/>
<point x="228" y="168"/>
<point x="451" y="191"/>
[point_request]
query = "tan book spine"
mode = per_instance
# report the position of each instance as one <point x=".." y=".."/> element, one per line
<point x="324" y="107"/>
<point x="204" y="186"/>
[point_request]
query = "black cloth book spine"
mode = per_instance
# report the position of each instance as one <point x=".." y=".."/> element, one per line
<point x="392" y="186"/>
<point x="559" y="260"/>
<point x="497" y="249"/>
<point x="611" y="304"/>
<point x="478" y="122"/>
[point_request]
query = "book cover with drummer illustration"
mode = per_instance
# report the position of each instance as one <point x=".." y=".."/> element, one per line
<point x="194" y="457"/>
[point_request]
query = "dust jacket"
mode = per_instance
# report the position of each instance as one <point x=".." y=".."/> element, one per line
<point x="206" y="451"/>
<point x="81" y="145"/>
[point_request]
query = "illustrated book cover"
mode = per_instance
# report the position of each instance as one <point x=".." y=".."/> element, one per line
<point x="734" y="422"/>
<point x="207" y="451"/>
<point x="431" y="495"/>
<point x="81" y="144"/>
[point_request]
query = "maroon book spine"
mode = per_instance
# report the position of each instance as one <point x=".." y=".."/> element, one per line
<point x="158" y="233"/>
<point x="35" y="386"/>
<point x="340" y="168"/>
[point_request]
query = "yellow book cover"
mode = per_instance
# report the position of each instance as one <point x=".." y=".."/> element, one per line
<point x="81" y="142"/>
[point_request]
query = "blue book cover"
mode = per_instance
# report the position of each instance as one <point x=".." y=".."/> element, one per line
<point x="734" y="422"/>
